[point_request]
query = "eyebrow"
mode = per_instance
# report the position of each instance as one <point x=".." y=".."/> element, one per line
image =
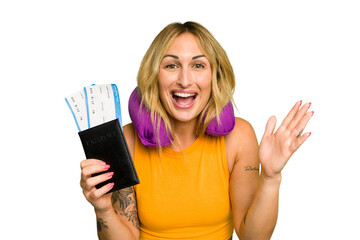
<point x="170" y="55"/>
<point x="176" y="57"/>
<point x="198" y="56"/>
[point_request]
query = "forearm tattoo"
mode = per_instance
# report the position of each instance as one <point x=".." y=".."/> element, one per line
<point x="126" y="200"/>
<point x="101" y="224"/>
<point x="249" y="168"/>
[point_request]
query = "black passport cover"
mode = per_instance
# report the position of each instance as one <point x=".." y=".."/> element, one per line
<point x="106" y="142"/>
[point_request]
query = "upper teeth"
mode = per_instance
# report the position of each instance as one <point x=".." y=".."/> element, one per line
<point x="184" y="94"/>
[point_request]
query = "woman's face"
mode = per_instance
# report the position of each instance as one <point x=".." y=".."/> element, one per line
<point x="184" y="79"/>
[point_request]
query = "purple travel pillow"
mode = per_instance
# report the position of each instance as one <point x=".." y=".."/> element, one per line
<point x="141" y="121"/>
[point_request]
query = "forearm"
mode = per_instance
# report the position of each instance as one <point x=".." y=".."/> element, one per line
<point x="109" y="227"/>
<point x="260" y="220"/>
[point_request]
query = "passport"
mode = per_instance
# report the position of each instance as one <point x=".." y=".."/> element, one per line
<point x="106" y="142"/>
<point x="97" y="114"/>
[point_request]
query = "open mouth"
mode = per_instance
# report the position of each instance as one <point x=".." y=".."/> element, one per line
<point x="184" y="99"/>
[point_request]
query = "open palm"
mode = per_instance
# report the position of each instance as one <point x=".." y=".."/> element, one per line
<point x="276" y="148"/>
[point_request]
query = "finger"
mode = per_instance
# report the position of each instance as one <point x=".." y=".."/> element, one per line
<point x="299" y="115"/>
<point x="89" y="162"/>
<point x="270" y="126"/>
<point x="93" y="181"/>
<point x="98" y="193"/>
<point x="92" y="169"/>
<point x="302" y="124"/>
<point x="291" y="114"/>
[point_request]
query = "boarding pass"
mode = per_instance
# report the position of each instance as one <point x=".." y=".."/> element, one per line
<point x="95" y="105"/>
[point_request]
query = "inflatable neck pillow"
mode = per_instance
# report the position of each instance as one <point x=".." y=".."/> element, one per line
<point x="141" y="121"/>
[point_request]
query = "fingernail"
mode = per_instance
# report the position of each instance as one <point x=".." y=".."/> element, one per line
<point x="312" y="113"/>
<point x="110" y="174"/>
<point x="309" y="104"/>
<point x="300" y="102"/>
<point x="106" y="167"/>
<point x="309" y="134"/>
<point x="102" y="163"/>
<point x="111" y="185"/>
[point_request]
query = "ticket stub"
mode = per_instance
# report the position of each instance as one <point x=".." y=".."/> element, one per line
<point x="95" y="105"/>
<point x="77" y="105"/>
<point x="103" y="104"/>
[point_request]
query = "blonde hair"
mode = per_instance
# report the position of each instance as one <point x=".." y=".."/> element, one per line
<point x="223" y="79"/>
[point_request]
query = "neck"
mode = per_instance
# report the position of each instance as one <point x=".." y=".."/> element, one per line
<point x="185" y="131"/>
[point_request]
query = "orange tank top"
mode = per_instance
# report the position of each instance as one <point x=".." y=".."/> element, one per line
<point x="184" y="196"/>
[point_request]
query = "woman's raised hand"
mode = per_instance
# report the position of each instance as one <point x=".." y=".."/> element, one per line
<point x="276" y="148"/>
<point x="97" y="197"/>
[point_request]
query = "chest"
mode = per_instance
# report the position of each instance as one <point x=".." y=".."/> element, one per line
<point x="183" y="191"/>
<point x="182" y="201"/>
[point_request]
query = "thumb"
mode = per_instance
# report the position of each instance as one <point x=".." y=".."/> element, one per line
<point x="270" y="126"/>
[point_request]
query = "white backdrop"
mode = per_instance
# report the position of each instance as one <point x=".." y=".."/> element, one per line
<point x="281" y="51"/>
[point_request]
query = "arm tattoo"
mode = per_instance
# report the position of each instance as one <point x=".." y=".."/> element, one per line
<point x="249" y="168"/>
<point x="127" y="203"/>
<point x="101" y="224"/>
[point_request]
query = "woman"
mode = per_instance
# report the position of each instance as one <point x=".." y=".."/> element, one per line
<point x="199" y="186"/>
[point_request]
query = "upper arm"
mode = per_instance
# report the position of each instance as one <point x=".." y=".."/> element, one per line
<point x="124" y="200"/>
<point x="242" y="148"/>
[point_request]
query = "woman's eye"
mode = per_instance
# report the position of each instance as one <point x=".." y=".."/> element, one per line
<point x="171" y="66"/>
<point x="199" y="65"/>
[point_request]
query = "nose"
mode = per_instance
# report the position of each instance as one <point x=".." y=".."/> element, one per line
<point x="185" y="78"/>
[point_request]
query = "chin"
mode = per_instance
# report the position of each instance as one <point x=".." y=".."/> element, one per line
<point x="184" y="117"/>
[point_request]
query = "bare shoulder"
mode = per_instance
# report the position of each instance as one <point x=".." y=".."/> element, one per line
<point x="129" y="133"/>
<point x="241" y="141"/>
<point x="242" y="128"/>
<point x="242" y="136"/>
